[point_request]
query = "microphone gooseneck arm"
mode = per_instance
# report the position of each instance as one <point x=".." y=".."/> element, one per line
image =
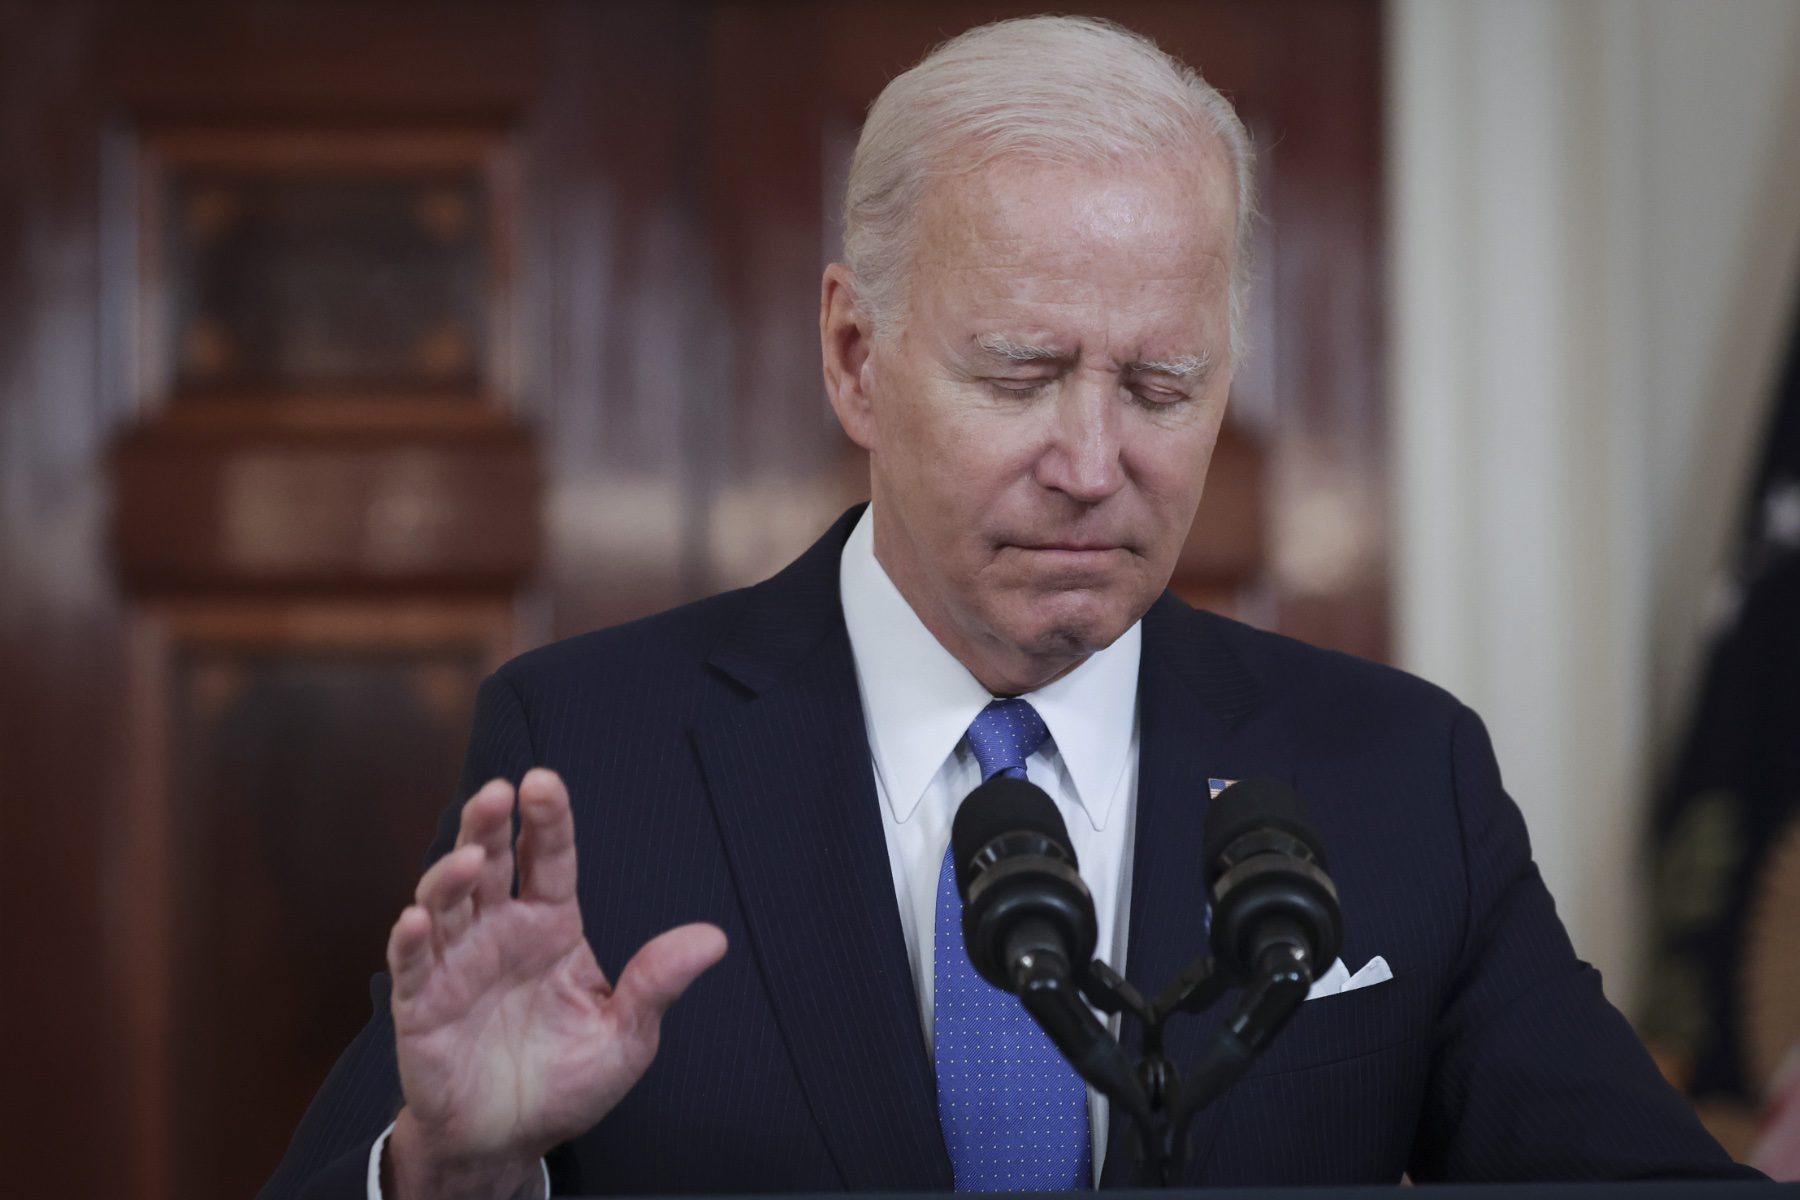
<point x="1284" y="975"/>
<point x="1045" y="986"/>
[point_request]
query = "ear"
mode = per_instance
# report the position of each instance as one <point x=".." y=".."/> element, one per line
<point x="847" y="342"/>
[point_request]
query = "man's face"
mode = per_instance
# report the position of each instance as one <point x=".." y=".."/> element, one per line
<point x="1040" y="429"/>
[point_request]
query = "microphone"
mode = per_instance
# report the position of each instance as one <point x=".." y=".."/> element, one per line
<point x="1273" y="905"/>
<point x="1025" y="908"/>
<point x="1028" y="923"/>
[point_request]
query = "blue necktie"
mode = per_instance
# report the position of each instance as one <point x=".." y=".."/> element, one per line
<point x="1013" y="1112"/>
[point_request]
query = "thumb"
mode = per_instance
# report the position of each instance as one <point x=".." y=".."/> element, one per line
<point x="663" y="968"/>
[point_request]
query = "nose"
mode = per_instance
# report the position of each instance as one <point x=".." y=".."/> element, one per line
<point x="1083" y="458"/>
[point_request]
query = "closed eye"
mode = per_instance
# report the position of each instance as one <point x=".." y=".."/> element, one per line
<point x="1158" y="397"/>
<point x="1022" y="389"/>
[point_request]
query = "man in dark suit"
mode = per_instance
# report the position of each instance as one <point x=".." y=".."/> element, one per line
<point x="1033" y="335"/>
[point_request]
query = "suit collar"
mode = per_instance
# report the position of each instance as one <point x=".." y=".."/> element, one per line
<point x="785" y="617"/>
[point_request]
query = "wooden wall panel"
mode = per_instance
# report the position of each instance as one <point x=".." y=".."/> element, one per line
<point x="776" y="144"/>
<point x="294" y="260"/>
<point x="308" y="746"/>
<point x="63" y="651"/>
<point x="324" y="510"/>
<point x="238" y="506"/>
<point x="623" y="360"/>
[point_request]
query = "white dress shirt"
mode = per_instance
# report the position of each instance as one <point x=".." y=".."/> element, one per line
<point x="918" y="702"/>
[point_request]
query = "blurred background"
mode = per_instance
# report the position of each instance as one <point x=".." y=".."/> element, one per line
<point x="347" y="349"/>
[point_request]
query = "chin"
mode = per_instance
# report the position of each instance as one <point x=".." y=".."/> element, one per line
<point x="1064" y="643"/>
<point x="1072" y="623"/>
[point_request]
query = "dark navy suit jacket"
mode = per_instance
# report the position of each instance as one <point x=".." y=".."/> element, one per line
<point x="720" y="771"/>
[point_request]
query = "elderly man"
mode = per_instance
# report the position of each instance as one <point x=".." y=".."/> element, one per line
<point x="1033" y="335"/>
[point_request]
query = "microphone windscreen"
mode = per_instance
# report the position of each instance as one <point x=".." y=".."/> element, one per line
<point x="1258" y="804"/>
<point x="1000" y="806"/>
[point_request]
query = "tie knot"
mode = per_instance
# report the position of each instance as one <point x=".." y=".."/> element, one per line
<point x="1003" y="735"/>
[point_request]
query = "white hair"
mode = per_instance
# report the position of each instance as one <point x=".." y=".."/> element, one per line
<point x="1075" y="90"/>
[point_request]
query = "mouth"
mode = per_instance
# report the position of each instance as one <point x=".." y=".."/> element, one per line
<point x="1072" y="556"/>
<point x="1069" y="546"/>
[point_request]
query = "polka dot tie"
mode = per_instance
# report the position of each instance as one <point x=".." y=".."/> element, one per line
<point x="1013" y="1112"/>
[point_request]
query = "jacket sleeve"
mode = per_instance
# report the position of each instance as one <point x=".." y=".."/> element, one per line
<point x="328" y="1158"/>
<point x="1534" y="1075"/>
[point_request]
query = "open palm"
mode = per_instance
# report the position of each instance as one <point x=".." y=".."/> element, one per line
<point x="509" y="1037"/>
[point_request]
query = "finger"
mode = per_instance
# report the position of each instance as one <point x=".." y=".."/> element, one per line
<point x="546" y="839"/>
<point x="409" y="952"/>
<point x="487" y="822"/>
<point x="446" y="891"/>
<point x="664" y="967"/>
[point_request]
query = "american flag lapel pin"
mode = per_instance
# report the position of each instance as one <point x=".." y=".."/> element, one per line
<point x="1215" y="786"/>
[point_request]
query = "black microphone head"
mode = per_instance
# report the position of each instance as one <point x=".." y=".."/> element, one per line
<point x="1265" y="871"/>
<point x="1258" y="804"/>
<point x="1016" y="872"/>
<point x="1001" y="806"/>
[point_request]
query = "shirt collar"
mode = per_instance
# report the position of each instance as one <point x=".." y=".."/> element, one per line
<point x="918" y="700"/>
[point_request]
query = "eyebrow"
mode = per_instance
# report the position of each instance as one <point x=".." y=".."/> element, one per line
<point x="1184" y="366"/>
<point x="1012" y="351"/>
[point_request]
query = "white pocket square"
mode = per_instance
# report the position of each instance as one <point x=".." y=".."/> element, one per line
<point x="1338" y="979"/>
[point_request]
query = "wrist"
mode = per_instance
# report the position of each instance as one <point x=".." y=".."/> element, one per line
<point x="416" y="1168"/>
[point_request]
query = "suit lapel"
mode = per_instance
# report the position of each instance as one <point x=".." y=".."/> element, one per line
<point x="787" y="765"/>
<point x="1192" y="693"/>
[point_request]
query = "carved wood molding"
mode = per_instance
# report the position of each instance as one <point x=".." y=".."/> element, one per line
<point x="238" y="509"/>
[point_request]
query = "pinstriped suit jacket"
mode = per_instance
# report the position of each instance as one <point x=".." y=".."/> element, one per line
<point x="720" y="771"/>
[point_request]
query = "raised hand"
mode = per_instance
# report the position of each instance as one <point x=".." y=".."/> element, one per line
<point x="509" y="1037"/>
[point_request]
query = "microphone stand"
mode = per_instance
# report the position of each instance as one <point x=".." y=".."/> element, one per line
<point x="1152" y="1092"/>
<point x="1029" y="924"/>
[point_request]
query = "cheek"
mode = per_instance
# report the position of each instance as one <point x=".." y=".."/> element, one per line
<point x="1171" y="462"/>
<point x="964" y="455"/>
<point x="1170" y="476"/>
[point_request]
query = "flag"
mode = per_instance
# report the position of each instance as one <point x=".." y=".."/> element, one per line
<point x="1722" y="997"/>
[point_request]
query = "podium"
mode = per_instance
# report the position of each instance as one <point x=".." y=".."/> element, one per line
<point x="1646" y="1190"/>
